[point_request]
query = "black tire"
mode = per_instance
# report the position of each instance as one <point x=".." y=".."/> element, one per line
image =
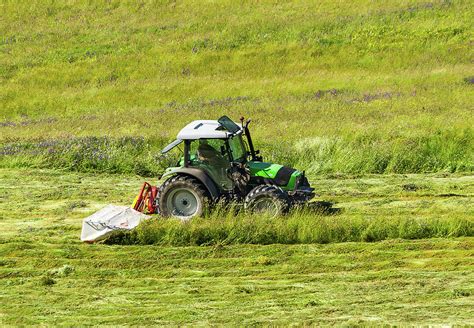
<point x="183" y="197"/>
<point x="267" y="199"/>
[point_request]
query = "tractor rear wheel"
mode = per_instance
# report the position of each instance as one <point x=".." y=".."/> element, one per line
<point x="183" y="197"/>
<point x="267" y="199"/>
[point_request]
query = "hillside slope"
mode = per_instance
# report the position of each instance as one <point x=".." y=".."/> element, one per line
<point x="387" y="78"/>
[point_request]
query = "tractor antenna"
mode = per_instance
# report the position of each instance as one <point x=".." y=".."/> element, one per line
<point x="242" y="121"/>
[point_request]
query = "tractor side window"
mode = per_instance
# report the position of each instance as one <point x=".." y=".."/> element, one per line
<point x="207" y="151"/>
<point x="206" y="154"/>
<point x="237" y="148"/>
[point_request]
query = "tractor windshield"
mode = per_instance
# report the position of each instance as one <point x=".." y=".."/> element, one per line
<point x="237" y="147"/>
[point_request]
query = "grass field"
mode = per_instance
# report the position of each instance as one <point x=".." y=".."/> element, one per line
<point x="374" y="99"/>
<point x="49" y="277"/>
<point x="373" y="87"/>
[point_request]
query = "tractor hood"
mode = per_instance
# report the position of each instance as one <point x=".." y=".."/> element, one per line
<point x="282" y="176"/>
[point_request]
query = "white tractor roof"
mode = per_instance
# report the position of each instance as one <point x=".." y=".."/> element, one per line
<point x="203" y="129"/>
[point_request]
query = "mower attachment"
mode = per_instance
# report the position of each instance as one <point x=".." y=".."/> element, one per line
<point x="109" y="219"/>
<point x="145" y="201"/>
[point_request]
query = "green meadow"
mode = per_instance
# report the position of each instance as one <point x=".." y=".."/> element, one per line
<point x="332" y="87"/>
<point x="374" y="99"/>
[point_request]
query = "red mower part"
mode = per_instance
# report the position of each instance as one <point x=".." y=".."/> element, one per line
<point x="145" y="201"/>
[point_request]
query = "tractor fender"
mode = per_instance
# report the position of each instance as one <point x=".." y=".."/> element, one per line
<point x="198" y="174"/>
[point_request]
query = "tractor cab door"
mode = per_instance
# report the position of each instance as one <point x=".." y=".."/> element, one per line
<point x="211" y="156"/>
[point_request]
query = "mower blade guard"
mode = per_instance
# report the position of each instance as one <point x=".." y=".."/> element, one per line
<point x="110" y="218"/>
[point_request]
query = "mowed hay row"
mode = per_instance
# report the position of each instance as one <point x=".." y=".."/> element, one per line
<point x="297" y="228"/>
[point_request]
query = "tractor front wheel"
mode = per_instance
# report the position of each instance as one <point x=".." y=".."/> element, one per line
<point x="182" y="197"/>
<point x="267" y="199"/>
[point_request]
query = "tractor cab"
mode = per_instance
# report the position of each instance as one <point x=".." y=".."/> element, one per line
<point x="213" y="146"/>
<point x="219" y="163"/>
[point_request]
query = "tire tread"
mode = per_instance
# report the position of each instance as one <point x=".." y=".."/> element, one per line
<point x="271" y="191"/>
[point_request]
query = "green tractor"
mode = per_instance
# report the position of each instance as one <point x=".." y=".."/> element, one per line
<point x="219" y="164"/>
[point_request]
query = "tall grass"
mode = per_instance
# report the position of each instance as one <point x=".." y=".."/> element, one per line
<point x="450" y="151"/>
<point x="298" y="228"/>
<point x="88" y="154"/>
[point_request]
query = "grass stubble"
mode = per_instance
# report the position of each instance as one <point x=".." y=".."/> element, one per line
<point x="49" y="277"/>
